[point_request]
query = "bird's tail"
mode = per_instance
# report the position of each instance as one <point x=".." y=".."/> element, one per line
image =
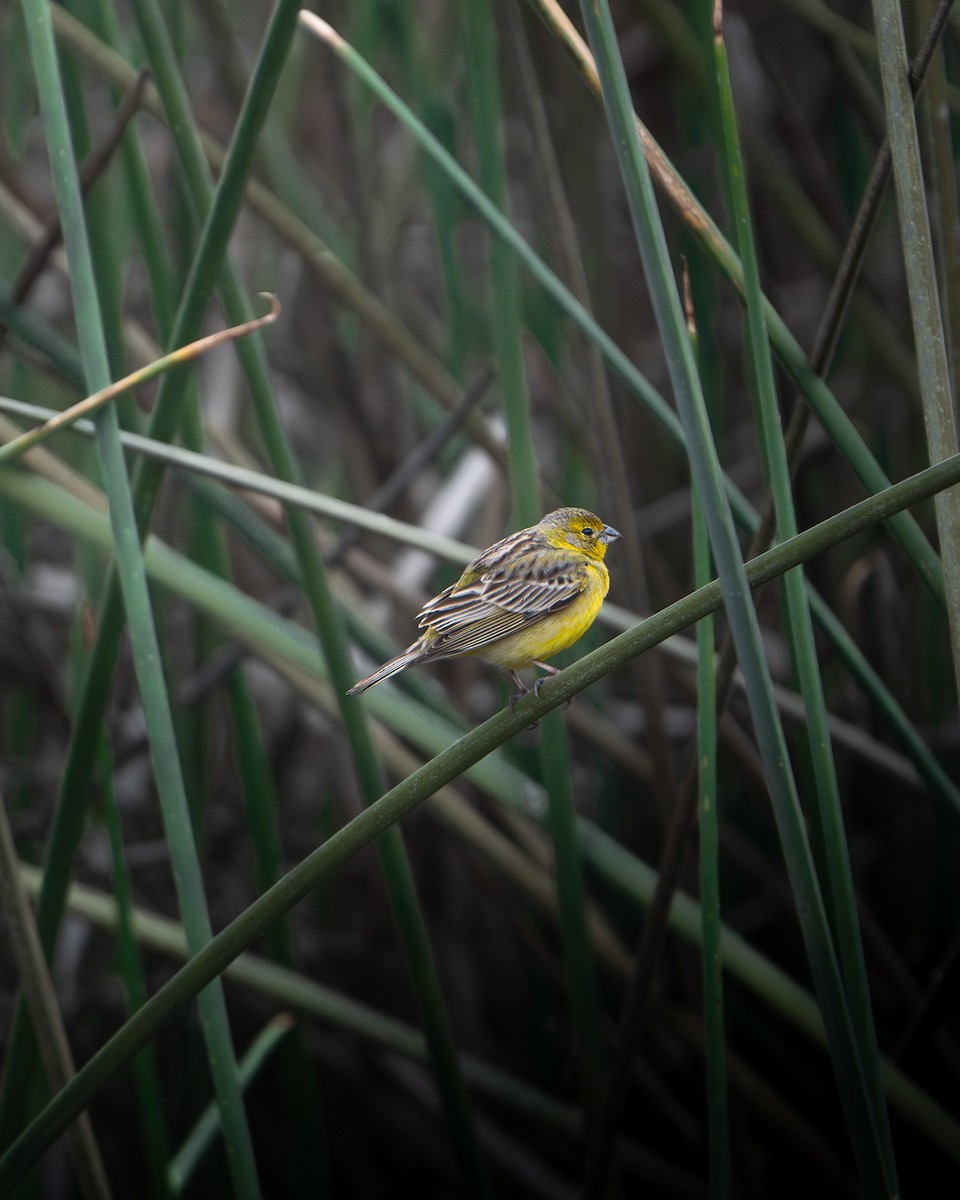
<point x="410" y="656"/>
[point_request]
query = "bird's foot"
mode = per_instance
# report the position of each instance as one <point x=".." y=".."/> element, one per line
<point x="522" y="690"/>
<point x="550" y="672"/>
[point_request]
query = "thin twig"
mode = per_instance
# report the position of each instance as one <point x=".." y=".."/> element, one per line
<point x="91" y="170"/>
<point x="176" y="358"/>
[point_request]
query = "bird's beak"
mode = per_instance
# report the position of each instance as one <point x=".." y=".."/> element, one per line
<point x="609" y="535"/>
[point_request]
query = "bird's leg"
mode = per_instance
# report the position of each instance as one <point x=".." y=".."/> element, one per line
<point x="522" y="690"/>
<point x="551" y="671"/>
<point x="521" y="687"/>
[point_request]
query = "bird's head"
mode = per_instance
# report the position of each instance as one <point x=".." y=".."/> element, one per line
<point x="582" y="530"/>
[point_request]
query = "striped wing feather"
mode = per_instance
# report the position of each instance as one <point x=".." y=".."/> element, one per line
<point x="496" y="603"/>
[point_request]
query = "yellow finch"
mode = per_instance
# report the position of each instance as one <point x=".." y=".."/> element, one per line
<point x="524" y="599"/>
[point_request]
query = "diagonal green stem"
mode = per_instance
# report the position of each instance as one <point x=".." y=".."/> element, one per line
<point x="936" y="389"/>
<point x="201" y="1137"/>
<point x="708" y="805"/>
<point x="713" y="1021"/>
<point x="798" y="623"/>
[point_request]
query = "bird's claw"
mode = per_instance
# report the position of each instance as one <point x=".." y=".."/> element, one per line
<point x="523" y="690"/>
<point x="539" y="684"/>
<point x="514" y="697"/>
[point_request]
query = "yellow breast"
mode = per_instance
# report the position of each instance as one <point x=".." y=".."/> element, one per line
<point x="553" y="633"/>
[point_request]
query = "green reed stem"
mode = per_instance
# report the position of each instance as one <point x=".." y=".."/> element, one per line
<point x="136" y="601"/>
<point x="744" y="628"/>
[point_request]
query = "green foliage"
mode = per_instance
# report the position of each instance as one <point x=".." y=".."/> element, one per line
<point x="451" y="192"/>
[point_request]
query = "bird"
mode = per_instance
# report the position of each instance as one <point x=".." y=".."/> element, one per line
<point x="519" y="602"/>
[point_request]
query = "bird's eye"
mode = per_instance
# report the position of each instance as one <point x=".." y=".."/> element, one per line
<point x="587" y="531"/>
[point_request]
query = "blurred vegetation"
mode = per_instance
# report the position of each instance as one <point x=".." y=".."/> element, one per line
<point x="591" y="953"/>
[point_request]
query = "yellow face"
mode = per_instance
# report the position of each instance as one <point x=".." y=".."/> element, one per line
<point x="582" y="530"/>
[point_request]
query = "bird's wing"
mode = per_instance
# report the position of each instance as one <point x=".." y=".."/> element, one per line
<point x="499" y="602"/>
